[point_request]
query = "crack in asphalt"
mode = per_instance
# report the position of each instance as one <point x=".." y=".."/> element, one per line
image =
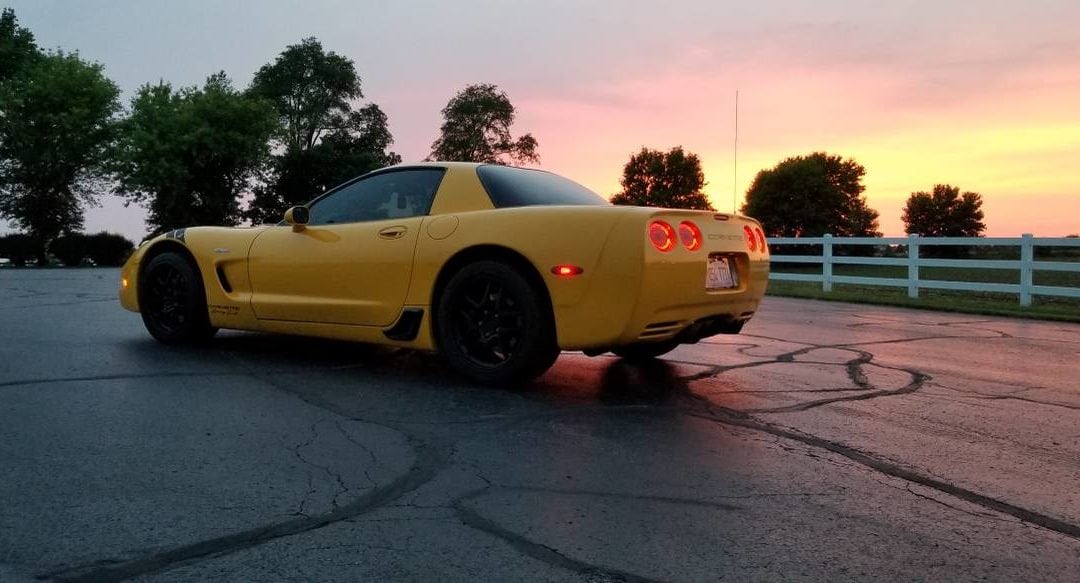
<point x="1007" y="397"/>
<point x="745" y="418"/>
<point x="428" y="464"/>
<point x="979" y="515"/>
<point x="741" y="419"/>
<point x="432" y="459"/>
<point x="364" y="448"/>
<point x="621" y="496"/>
<point x="342" y="487"/>
<point x="538" y="551"/>
<point x="918" y="380"/>
<point x="428" y="467"/>
<point x="853" y="367"/>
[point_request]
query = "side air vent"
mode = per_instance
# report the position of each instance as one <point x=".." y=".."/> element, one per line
<point x="407" y="326"/>
<point x="225" y="285"/>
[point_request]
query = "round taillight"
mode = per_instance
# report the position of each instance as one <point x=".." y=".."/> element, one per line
<point x="690" y="235"/>
<point x="662" y="236"/>
<point x="751" y="241"/>
<point x="761" y="240"/>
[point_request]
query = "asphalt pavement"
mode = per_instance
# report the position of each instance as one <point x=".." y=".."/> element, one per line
<point x="828" y="441"/>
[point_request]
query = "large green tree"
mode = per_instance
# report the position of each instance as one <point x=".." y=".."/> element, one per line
<point x="323" y="137"/>
<point x="188" y="155"/>
<point x="298" y="175"/>
<point x="945" y="212"/>
<point x="809" y="196"/>
<point x="671" y="179"/>
<point x="17" y="48"/>
<point x="476" y="128"/>
<point x="57" y="122"/>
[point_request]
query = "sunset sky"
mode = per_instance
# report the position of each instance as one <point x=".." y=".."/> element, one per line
<point x="981" y="94"/>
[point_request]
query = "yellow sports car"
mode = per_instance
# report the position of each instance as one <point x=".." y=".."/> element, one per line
<point x="497" y="268"/>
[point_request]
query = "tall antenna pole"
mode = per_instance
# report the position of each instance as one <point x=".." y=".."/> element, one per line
<point x="735" y="165"/>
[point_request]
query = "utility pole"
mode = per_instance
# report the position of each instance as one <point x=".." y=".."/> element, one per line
<point x="735" y="164"/>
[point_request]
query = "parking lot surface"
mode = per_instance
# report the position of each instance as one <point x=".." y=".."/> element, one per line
<point x="828" y="441"/>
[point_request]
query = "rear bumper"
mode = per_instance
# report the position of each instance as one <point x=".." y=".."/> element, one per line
<point x="596" y="324"/>
<point x="642" y="295"/>
<point x="675" y="303"/>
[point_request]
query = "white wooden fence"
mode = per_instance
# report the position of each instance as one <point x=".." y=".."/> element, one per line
<point x="1027" y="264"/>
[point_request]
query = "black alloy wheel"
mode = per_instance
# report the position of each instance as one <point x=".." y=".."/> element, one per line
<point x="493" y="326"/>
<point x="172" y="300"/>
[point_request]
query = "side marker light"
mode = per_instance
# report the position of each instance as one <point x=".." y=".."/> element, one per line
<point x="567" y="270"/>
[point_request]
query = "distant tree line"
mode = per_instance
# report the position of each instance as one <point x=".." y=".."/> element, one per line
<point x="209" y="155"/>
<point x="104" y="249"/>
<point x="219" y="155"/>
<point x="802" y="196"/>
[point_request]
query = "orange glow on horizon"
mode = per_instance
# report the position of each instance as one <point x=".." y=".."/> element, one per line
<point x="1017" y="144"/>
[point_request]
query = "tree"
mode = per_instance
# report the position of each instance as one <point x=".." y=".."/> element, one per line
<point x="17" y="48"/>
<point x="321" y="137"/>
<point x="20" y="248"/>
<point x="311" y="90"/>
<point x="944" y="213"/>
<point x="670" y="179"/>
<point x="108" y="249"/>
<point x="102" y="249"/>
<point x="299" y="175"/>
<point x="70" y="249"/>
<point x="809" y="196"/>
<point x="188" y="155"/>
<point x="56" y="126"/>
<point x="476" y="128"/>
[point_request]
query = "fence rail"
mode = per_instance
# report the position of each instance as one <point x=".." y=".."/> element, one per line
<point x="1026" y="265"/>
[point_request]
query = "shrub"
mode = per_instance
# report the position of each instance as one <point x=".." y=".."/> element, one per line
<point x="108" y="249"/>
<point x="69" y="249"/>
<point x="20" y="249"/>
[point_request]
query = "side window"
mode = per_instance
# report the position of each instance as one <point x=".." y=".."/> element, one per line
<point x="391" y="195"/>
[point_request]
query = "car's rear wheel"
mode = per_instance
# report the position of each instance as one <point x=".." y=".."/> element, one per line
<point x="645" y="350"/>
<point x="494" y="326"/>
<point x="172" y="300"/>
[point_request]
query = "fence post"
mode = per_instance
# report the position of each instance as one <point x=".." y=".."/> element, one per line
<point x="826" y="263"/>
<point x="913" y="266"/>
<point x="1027" y="260"/>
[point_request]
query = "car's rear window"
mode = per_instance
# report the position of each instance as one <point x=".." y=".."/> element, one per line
<point x="510" y="187"/>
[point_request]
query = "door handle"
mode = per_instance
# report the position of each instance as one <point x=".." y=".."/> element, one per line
<point x="392" y="232"/>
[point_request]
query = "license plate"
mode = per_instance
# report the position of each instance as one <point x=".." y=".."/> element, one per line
<point x="719" y="275"/>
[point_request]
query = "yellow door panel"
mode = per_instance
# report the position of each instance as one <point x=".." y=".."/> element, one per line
<point x="353" y="273"/>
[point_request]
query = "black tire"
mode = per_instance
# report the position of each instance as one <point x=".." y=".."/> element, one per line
<point x="493" y="326"/>
<point x="172" y="301"/>
<point x="643" y="351"/>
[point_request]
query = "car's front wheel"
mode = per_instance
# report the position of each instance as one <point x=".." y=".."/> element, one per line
<point x="172" y="301"/>
<point x="494" y="326"/>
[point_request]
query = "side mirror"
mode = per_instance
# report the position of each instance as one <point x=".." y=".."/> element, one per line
<point x="297" y="217"/>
